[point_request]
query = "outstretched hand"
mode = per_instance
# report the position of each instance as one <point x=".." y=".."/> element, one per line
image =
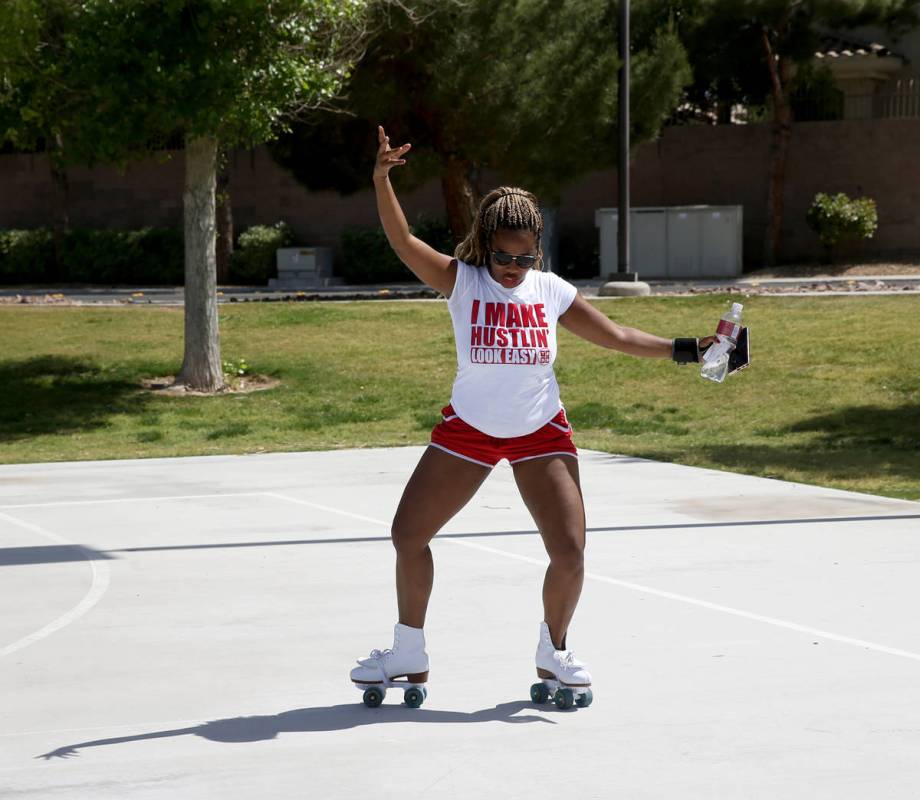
<point x="61" y="752"/>
<point x="387" y="157"/>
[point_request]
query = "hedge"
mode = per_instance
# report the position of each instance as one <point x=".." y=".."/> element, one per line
<point x="150" y="256"/>
<point x="155" y="256"/>
<point x="368" y="258"/>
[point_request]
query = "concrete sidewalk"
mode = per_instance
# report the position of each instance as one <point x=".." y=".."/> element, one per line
<point x="173" y="295"/>
<point x="184" y="628"/>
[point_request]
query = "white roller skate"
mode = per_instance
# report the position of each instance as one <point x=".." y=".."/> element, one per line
<point x="407" y="659"/>
<point x="563" y="677"/>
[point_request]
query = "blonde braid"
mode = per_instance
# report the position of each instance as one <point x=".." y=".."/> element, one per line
<point x="506" y="207"/>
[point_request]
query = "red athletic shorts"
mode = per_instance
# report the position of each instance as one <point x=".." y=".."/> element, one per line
<point x="454" y="436"/>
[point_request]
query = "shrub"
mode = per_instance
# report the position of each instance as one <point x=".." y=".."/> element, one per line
<point x="25" y="256"/>
<point x="254" y="260"/>
<point x="368" y="258"/>
<point x="148" y="256"/>
<point x="161" y="258"/>
<point x="99" y="256"/>
<point x="837" y="218"/>
<point x="579" y="255"/>
<point x="436" y="233"/>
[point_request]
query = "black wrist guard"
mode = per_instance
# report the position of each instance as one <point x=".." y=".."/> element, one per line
<point x="685" y="351"/>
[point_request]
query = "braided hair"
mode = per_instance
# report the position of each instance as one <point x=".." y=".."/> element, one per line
<point x="505" y="207"/>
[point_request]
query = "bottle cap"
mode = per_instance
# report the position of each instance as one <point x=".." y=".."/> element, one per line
<point x="736" y="308"/>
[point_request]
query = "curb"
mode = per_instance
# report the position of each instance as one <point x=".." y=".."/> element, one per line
<point x="173" y="296"/>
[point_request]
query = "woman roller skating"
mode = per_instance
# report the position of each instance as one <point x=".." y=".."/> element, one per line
<point x="505" y="403"/>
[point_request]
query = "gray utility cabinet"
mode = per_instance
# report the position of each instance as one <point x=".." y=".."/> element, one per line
<point x="303" y="268"/>
<point x="675" y="242"/>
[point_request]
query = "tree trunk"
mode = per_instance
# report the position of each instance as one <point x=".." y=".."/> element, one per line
<point x="224" y="221"/>
<point x="201" y="367"/>
<point x="458" y="195"/>
<point x="60" y="213"/>
<point x="780" y="134"/>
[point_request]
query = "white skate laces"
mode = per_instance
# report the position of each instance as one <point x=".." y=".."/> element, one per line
<point x="404" y="665"/>
<point x="377" y="660"/>
<point x="565" y="666"/>
<point x="406" y="657"/>
<point x="563" y="678"/>
<point x="567" y="660"/>
<point x="560" y="664"/>
<point x="377" y="655"/>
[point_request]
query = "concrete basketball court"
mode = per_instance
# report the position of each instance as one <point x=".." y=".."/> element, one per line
<point x="184" y="628"/>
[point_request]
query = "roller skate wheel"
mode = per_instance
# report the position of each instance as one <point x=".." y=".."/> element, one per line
<point x="564" y="698"/>
<point x="373" y="697"/>
<point x="539" y="693"/>
<point x="414" y="696"/>
<point x="584" y="700"/>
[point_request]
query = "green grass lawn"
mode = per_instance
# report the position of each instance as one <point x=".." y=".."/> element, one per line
<point x="831" y="398"/>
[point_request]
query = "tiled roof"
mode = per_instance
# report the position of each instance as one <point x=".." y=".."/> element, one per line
<point x="837" y="47"/>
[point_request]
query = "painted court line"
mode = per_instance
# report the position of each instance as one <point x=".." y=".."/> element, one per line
<point x="680" y="598"/>
<point x="98" y="588"/>
<point x="131" y="500"/>
<point x="325" y="508"/>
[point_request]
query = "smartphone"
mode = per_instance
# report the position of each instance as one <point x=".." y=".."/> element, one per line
<point x="741" y="356"/>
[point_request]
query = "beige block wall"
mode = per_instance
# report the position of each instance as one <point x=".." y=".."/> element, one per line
<point x="150" y="193"/>
<point x="721" y="165"/>
<point x="728" y="165"/>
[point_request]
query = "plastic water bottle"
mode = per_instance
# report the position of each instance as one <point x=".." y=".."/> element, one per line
<point x="715" y="359"/>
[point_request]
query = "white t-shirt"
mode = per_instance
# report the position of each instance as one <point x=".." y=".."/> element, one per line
<point x="506" y="346"/>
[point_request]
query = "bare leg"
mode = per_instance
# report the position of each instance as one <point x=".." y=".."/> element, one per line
<point x="552" y="493"/>
<point x="440" y="486"/>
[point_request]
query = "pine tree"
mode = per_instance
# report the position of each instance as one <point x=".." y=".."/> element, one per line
<point x="527" y="88"/>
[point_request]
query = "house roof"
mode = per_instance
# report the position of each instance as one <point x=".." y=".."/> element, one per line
<point x="834" y="47"/>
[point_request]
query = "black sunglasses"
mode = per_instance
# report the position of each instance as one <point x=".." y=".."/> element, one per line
<point x="506" y="258"/>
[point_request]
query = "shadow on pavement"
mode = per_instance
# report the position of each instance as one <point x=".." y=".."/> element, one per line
<point x="50" y="554"/>
<point x="316" y="720"/>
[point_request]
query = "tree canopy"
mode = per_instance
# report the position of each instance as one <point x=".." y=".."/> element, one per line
<point x="724" y="40"/>
<point x="524" y="87"/>
<point x="754" y="52"/>
<point x="103" y="81"/>
<point x="116" y="80"/>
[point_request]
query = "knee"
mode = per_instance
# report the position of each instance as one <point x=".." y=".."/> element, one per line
<point x="407" y="538"/>
<point x="568" y="552"/>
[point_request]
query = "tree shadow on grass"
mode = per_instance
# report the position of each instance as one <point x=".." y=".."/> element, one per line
<point x="60" y="394"/>
<point x="896" y="428"/>
<point x="850" y="443"/>
<point x="635" y="420"/>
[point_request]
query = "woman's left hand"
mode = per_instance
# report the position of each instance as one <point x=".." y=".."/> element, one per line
<point x="705" y="343"/>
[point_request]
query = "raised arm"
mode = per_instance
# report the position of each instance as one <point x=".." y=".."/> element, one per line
<point x="436" y="269"/>
<point x="584" y="320"/>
